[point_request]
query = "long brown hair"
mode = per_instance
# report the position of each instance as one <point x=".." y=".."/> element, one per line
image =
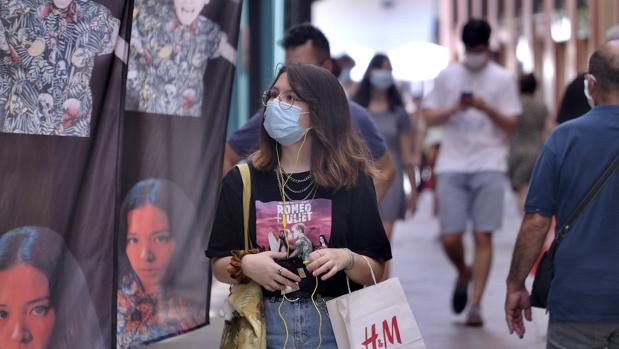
<point x="337" y="153"/>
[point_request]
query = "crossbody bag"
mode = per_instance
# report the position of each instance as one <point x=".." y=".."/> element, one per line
<point x="546" y="269"/>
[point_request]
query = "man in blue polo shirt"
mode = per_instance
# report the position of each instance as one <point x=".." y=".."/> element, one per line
<point x="306" y="44"/>
<point x="584" y="294"/>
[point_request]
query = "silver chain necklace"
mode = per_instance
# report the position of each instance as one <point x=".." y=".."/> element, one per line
<point x="311" y="188"/>
<point x="294" y="180"/>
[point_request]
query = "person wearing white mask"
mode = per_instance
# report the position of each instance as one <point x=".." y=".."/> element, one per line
<point x="304" y="43"/>
<point x="379" y="95"/>
<point x="311" y="169"/>
<point x="582" y="301"/>
<point x="346" y="64"/>
<point x="477" y="103"/>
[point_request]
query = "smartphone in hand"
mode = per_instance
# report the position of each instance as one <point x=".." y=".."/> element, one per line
<point x="466" y="99"/>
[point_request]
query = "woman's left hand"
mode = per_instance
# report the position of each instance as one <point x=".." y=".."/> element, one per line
<point x="327" y="261"/>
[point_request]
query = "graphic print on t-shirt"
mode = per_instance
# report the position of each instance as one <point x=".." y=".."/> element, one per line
<point x="308" y="226"/>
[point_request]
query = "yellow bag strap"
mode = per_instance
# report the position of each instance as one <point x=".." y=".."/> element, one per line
<point x="246" y="177"/>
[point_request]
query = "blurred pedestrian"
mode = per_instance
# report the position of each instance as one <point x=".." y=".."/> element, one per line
<point x="346" y="63"/>
<point x="378" y="93"/>
<point x="528" y="138"/>
<point x="574" y="103"/>
<point x="477" y="103"/>
<point x="583" y="301"/>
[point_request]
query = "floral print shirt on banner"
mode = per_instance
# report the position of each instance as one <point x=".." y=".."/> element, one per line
<point x="142" y="317"/>
<point x="47" y="56"/>
<point x="168" y="60"/>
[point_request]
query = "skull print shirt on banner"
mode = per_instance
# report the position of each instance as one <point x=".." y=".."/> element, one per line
<point x="168" y="59"/>
<point x="47" y="55"/>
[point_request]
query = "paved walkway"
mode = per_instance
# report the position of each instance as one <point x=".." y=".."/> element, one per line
<point x="428" y="279"/>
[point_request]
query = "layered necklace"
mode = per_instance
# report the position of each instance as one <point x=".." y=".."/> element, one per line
<point x="307" y="185"/>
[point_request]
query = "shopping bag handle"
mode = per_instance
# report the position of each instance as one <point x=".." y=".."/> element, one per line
<point x="371" y="272"/>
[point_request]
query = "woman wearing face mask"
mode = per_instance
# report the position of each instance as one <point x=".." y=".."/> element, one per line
<point x="310" y="178"/>
<point x="378" y="93"/>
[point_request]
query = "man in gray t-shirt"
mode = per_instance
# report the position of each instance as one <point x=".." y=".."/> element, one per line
<point x="306" y="44"/>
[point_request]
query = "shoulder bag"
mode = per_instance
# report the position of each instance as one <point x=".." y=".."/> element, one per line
<point x="247" y="328"/>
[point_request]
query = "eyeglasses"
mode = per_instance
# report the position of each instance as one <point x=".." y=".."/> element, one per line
<point x="286" y="99"/>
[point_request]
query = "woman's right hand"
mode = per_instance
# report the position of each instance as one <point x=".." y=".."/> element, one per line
<point x="262" y="268"/>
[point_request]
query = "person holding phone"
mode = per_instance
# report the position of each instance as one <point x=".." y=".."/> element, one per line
<point x="477" y="103"/>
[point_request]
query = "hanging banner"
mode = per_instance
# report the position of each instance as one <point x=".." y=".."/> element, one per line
<point x="60" y="121"/>
<point x="179" y="82"/>
<point x="112" y="124"/>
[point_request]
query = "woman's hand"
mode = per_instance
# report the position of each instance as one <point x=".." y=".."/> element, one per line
<point x="262" y="268"/>
<point x="328" y="261"/>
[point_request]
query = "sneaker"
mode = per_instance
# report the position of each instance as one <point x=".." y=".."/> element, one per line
<point x="460" y="296"/>
<point x="474" y="317"/>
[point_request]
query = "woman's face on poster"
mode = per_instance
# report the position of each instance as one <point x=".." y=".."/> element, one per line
<point x="150" y="245"/>
<point x="62" y="3"/>
<point x="188" y="10"/>
<point x="26" y="313"/>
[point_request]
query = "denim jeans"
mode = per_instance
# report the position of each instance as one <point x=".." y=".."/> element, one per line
<point x="302" y="321"/>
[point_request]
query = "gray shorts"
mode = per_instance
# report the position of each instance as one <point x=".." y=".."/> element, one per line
<point x="570" y="335"/>
<point x="476" y="196"/>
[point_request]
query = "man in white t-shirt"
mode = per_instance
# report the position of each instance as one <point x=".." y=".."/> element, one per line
<point x="477" y="104"/>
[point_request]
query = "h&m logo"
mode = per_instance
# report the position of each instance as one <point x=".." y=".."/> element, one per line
<point x="390" y="335"/>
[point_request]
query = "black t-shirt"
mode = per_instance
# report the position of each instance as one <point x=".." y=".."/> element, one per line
<point x="343" y="218"/>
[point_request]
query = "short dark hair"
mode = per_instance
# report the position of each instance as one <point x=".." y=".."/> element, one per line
<point x="528" y="83"/>
<point x="476" y="32"/>
<point x="300" y="34"/>
<point x="605" y="67"/>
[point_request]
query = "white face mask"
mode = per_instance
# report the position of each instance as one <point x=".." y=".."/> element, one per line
<point x="62" y="4"/>
<point x="588" y="94"/>
<point x="475" y="60"/>
<point x="188" y="10"/>
<point x="283" y="124"/>
<point x="381" y="79"/>
<point x="345" y="74"/>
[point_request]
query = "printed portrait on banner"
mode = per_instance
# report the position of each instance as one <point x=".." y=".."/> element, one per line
<point x="171" y="44"/>
<point x="156" y="249"/>
<point x="47" y="56"/>
<point x="44" y="299"/>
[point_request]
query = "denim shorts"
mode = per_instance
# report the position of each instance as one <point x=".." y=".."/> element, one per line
<point x="303" y="323"/>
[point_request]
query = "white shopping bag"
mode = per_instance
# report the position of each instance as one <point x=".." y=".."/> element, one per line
<point x="375" y="317"/>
